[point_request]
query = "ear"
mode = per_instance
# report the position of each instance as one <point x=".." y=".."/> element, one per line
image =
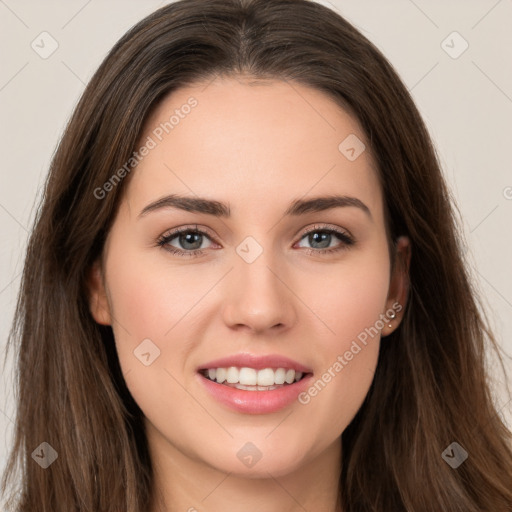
<point x="98" y="301"/>
<point x="399" y="285"/>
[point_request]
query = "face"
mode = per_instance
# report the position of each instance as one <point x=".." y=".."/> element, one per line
<point x="267" y="275"/>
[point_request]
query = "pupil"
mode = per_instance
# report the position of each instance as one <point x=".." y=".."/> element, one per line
<point x="184" y="241"/>
<point x="324" y="236"/>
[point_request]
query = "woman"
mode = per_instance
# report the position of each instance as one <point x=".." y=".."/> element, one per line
<point x="217" y="375"/>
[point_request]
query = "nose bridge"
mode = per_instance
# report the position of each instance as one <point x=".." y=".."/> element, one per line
<point x="258" y="296"/>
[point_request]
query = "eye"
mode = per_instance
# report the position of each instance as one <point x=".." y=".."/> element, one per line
<point x="320" y="237"/>
<point x="190" y="239"/>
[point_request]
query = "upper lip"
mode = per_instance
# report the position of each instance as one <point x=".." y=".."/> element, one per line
<point x="258" y="362"/>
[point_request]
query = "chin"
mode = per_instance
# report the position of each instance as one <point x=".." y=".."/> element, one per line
<point x="257" y="459"/>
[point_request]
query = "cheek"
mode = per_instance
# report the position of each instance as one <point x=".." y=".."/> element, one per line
<point x="352" y="299"/>
<point x="150" y="301"/>
<point x="352" y="309"/>
<point x="150" y="308"/>
<point x="154" y="309"/>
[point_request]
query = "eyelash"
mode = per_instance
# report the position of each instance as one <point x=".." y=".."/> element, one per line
<point x="344" y="237"/>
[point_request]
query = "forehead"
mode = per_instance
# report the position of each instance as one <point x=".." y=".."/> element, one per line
<point x="248" y="143"/>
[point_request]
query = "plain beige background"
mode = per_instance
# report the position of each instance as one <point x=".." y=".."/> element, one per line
<point x="464" y="95"/>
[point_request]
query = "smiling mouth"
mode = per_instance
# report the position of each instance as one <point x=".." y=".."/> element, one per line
<point x="250" y="379"/>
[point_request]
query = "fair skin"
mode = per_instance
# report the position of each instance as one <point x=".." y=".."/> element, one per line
<point x="255" y="148"/>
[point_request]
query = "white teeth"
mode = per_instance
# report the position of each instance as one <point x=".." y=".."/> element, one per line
<point x="265" y="378"/>
<point x="280" y="376"/>
<point x="220" y="376"/>
<point x="232" y="375"/>
<point x="248" y="376"/>
<point x="290" y="376"/>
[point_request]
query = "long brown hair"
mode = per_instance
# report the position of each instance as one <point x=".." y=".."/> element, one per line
<point x="430" y="388"/>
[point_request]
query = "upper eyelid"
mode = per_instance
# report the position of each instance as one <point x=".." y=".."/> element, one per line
<point x="326" y="227"/>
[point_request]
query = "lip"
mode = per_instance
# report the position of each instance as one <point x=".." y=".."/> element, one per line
<point x="246" y="360"/>
<point x="255" y="402"/>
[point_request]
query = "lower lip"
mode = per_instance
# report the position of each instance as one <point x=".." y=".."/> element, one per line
<point x="256" y="402"/>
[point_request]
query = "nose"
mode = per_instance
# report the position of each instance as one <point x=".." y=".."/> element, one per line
<point x="259" y="298"/>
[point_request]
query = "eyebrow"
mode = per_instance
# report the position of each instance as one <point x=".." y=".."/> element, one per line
<point x="218" y="209"/>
